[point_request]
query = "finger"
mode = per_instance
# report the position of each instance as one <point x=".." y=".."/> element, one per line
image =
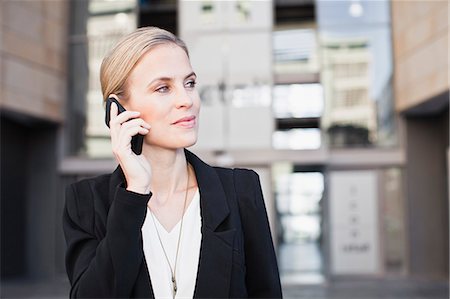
<point x="123" y="130"/>
<point x="132" y="131"/>
<point x="124" y="138"/>
<point x="124" y="116"/>
<point x="127" y="131"/>
<point x="136" y="122"/>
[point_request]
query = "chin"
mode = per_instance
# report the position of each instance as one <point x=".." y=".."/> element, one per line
<point x="189" y="142"/>
<point x="175" y="142"/>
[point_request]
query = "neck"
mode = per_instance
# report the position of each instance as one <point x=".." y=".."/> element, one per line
<point x="169" y="170"/>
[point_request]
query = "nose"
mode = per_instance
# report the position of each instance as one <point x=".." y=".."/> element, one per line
<point x="183" y="98"/>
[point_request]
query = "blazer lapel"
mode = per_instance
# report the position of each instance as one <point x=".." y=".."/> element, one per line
<point x="216" y="251"/>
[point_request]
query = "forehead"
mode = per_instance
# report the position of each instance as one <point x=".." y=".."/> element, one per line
<point x="166" y="60"/>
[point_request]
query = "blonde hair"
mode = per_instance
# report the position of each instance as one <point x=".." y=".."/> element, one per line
<point x="120" y="61"/>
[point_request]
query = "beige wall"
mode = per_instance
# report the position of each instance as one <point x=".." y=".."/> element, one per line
<point x="420" y="37"/>
<point x="33" y="47"/>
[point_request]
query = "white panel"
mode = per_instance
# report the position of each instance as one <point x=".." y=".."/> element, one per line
<point x="353" y="214"/>
<point x="239" y="59"/>
<point x="249" y="58"/>
<point x="211" y="128"/>
<point x="351" y="256"/>
<point x="211" y="16"/>
<point x="193" y="18"/>
<point x="230" y="42"/>
<point x="250" y="128"/>
<point x="206" y="53"/>
<point x="249" y="15"/>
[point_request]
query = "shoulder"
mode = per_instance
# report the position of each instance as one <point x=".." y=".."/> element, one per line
<point x="240" y="175"/>
<point x="81" y="197"/>
<point x="246" y="175"/>
<point x="248" y="188"/>
<point x="87" y="186"/>
<point x="245" y="181"/>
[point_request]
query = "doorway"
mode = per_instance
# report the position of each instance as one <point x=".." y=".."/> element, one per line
<point x="299" y="196"/>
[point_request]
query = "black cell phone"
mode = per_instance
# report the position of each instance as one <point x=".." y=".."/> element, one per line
<point x="137" y="140"/>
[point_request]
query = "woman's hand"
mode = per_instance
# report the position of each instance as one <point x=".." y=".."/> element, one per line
<point x="136" y="168"/>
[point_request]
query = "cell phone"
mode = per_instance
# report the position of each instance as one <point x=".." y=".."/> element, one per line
<point x="138" y="139"/>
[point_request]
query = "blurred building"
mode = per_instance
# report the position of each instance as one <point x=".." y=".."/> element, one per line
<point x="341" y="107"/>
<point x="345" y="73"/>
<point x="421" y="43"/>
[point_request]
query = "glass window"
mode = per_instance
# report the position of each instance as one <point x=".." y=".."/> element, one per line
<point x="297" y="139"/>
<point x="250" y="96"/>
<point x="97" y="25"/>
<point x="295" y="51"/>
<point x="294" y="45"/>
<point x="356" y="55"/>
<point x="297" y="109"/>
<point x="298" y="100"/>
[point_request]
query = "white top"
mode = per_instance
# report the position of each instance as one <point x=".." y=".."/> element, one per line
<point x="188" y="254"/>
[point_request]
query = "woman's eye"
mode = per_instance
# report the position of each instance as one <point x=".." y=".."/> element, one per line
<point x="162" y="89"/>
<point x="191" y="84"/>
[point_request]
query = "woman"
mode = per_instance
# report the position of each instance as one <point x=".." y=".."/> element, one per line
<point x="164" y="224"/>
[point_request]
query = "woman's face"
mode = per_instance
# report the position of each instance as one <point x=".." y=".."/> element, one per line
<point x="162" y="88"/>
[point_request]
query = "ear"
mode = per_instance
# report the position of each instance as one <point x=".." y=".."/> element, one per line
<point x="120" y="100"/>
<point x="113" y="95"/>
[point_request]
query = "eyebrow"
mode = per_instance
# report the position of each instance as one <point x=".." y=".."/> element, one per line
<point x="169" y="78"/>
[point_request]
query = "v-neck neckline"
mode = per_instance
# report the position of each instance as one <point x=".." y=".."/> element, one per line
<point x="188" y="208"/>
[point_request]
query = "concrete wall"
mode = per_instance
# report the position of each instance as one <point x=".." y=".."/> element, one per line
<point x="421" y="48"/>
<point x="420" y="32"/>
<point x="33" y="46"/>
<point x="231" y="47"/>
<point x="33" y="76"/>
<point x="427" y="192"/>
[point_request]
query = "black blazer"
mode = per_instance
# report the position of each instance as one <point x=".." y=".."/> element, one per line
<point x="102" y="224"/>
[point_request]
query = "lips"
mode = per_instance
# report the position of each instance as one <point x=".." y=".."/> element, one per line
<point x="187" y="122"/>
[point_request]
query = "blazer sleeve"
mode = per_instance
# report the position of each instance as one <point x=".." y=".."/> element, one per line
<point x="262" y="276"/>
<point x="107" y="267"/>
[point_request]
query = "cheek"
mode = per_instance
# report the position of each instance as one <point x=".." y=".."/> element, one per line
<point x="197" y="103"/>
<point x="150" y="112"/>
<point x="150" y="118"/>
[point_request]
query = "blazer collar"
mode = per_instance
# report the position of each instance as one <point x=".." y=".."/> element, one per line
<point x="214" y="204"/>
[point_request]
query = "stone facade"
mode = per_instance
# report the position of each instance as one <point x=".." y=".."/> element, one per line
<point x="420" y="32"/>
<point x="33" y="51"/>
